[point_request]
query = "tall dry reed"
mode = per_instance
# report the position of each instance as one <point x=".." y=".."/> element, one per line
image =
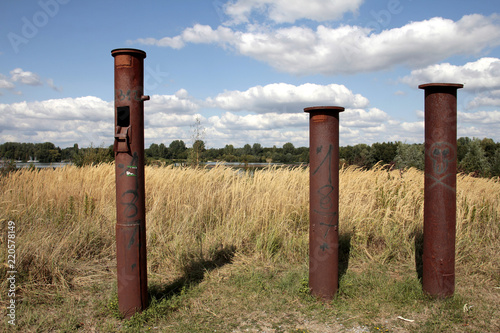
<point x="65" y="218"/>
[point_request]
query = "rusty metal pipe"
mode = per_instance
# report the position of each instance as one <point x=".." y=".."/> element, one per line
<point x="438" y="271"/>
<point x="323" y="200"/>
<point x="129" y="173"/>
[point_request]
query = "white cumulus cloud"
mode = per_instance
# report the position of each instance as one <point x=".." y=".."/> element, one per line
<point x="231" y="121"/>
<point x="25" y="77"/>
<point x="85" y="108"/>
<point x="488" y="98"/>
<point x="161" y="119"/>
<point x="252" y="116"/>
<point x="5" y="83"/>
<point x="481" y="74"/>
<point x="481" y="79"/>
<point x="62" y="121"/>
<point x="481" y="124"/>
<point x="283" y="98"/>
<point x="413" y="127"/>
<point x="372" y="117"/>
<point x="348" y="49"/>
<point x="20" y="76"/>
<point x="480" y="117"/>
<point x="180" y="102"/>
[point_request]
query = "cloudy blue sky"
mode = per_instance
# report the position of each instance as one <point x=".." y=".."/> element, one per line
<point x="246" y="68"/>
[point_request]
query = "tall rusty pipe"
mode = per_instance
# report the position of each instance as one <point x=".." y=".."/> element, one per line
<point x="438" y="278"/>
<point x="129" y="173"/>
<point x="323" y="200"/>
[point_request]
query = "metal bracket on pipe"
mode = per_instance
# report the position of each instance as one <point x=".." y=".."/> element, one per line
<point x="122" y="139"/>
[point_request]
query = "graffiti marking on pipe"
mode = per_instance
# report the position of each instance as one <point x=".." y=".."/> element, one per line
<point x="325" y="193"/>
<point x="328" y="158"/>
<point x="131" y="209"/>
<point x="132" y="170"/>
<point x="129" y="95"/>
<point x="132" y="238"/>
<point x="325" y="201"/>
<point x="441" y="155"/>
<point x="439" y="181"/>
<point x="331" y="220"/>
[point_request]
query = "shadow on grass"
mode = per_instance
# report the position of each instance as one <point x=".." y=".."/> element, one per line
<point x="344" y="253"/>
<point x="194" y="272"/>
<point x="419" y="252"/>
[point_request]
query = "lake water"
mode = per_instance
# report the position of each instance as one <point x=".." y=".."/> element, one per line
<point x="42" y="165"/>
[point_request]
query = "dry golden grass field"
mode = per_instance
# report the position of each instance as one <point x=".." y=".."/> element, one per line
<point x="228" y="252"/>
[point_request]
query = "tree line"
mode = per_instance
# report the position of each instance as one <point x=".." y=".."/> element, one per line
<point x="478" y="156"/>
<point x="44" y="152"/>
<point x="255" y="153"/>
<point x="47" y="152"/>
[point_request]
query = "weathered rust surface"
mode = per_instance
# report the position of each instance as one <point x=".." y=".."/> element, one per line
<point x="438" y="258"/>
<point x="323" y="200"/>
<point x="129" y="173"/>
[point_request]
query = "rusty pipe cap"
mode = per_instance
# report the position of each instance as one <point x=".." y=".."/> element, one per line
<point x="441" y="85"/>
<point x="324" y="108"/>
<point x="132" y="52"/>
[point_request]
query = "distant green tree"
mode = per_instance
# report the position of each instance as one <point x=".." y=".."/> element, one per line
<point x="229" y="158"/>
<point x="153" y="151"/>
<point x="247" y="150"/>
<point x="359" y="155"/>
<point x="409" y="156"/>
<point x="462" y="148"/>
<point x="67" y="154"/>
<point x="248" y="159"/>
<point x="268" y="156"/>
<point x="302" y="154"/>
<point x="55" y="155"/>
<point x="362" y="155"/>
<point x="489" y="147"/>
<point x="475" y="160"/>
<point x="229" y="150"/>
<point x="197" y="135"/>
<point x="75" y="150"/>
<point x="196" y="151"/>
<point x="93" y="156"/>
<point x="177" y="149"/>
<point x="5" y="151"/>
<point x="163" y="150"/>
<point x="213" y="154"/>
<point x="257" y="149"/>
<point x="384" y="152"/>
<point x="288" y="148"/>
<point x="46" y="153"/>
<point x="345" y="153"/>
<point x="495" y="164"/>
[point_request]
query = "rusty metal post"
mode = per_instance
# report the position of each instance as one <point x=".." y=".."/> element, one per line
<point x="323" y="200"/>
<point x="438" y="278"/>
<point x="129" y="173"/>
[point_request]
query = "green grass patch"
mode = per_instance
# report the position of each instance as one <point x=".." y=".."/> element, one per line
<point x="262" y="295"/>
